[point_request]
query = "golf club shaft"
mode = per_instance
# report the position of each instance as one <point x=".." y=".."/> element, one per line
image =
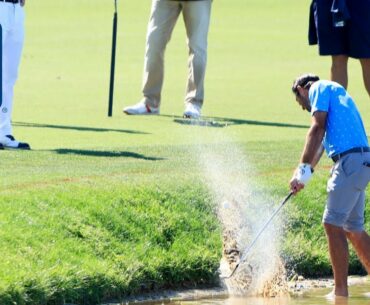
<point x="264" y="227"/>
<point x="113" y="62"/>
<point x="246" y="251"/>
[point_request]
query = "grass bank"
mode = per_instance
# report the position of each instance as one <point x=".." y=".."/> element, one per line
<point x="82" y="244"/>
<point x="83" y="229"/>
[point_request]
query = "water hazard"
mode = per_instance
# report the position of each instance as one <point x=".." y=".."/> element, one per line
<point x="359" y="295"/>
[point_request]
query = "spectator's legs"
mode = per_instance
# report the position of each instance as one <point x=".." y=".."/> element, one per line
<point x="197" y="17"/>
<point x="365" y="64"/>
<point x="13" y="36"/>
<point x="339" y="71"/>
<point x="338" y="249"/>
<point x="163" y="18"/>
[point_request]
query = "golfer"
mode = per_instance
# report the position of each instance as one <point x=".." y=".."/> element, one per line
<point x="337" y="127"/>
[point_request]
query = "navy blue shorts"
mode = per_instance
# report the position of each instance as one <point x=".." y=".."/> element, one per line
<point x="353" y="39"/>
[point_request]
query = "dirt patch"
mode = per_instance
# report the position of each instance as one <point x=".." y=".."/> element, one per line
<point x="299" y="284"/>
<point x="170" y="296"/>
<point x="296" y="286"/>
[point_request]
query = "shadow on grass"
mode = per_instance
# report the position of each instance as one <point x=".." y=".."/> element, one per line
<point x="224" y="122"/>
<point x="200" y="122"/>
<point x="104" y="153"/>
<point x="77" y="128"/>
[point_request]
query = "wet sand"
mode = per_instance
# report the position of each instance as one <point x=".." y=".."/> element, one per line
<point x="296" y="286"/>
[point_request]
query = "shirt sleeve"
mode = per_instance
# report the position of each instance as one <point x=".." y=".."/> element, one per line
<point x="319" y="96"/>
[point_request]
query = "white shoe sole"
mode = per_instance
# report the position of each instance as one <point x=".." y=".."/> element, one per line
<point x="134" y="113"/>
<point x="191" y="116"/>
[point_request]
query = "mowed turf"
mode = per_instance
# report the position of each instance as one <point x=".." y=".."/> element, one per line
<point x="105" y="207"/>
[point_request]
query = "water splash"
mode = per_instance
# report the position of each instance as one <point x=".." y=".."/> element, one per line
<point x="242" y="209"/>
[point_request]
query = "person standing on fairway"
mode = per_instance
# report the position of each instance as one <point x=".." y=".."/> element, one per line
<point x="341" y="28"/>
<point x="12" y="23"/>
<point x="337" y="127"/>
<point x="164" y="14"/>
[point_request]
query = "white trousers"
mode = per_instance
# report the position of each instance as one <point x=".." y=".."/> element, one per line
<point x="12" y="22"/>
<point x="164" y="14"/>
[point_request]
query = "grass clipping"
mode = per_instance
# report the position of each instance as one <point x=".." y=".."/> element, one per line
<point x="242" y="211"/>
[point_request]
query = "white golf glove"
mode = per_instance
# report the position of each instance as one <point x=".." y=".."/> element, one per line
<point x="303" y="173"/>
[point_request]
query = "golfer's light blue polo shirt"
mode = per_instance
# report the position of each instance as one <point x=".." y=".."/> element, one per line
<point x="344" y="127"/>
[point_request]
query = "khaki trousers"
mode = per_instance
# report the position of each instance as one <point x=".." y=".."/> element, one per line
<point x="164" y="14"/>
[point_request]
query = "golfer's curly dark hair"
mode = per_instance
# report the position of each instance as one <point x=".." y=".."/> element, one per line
<point x="304" y="81"/>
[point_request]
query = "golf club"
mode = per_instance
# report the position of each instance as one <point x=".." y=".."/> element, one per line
<point x="246" y="251"/>
<point x="113" y="61"/>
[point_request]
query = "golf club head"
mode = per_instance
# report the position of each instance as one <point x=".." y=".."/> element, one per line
<point x="231" y="274"/>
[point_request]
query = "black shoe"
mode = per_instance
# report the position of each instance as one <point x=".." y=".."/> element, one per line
<point x="12" y="143"/>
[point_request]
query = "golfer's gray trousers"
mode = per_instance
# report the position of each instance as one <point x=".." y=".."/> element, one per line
<point x="346" y="192"/>
<point x="164" y="15"/>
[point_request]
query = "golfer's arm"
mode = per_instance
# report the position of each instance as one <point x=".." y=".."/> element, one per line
<point x="317" y="156"/>
<point x="313" y="149"/>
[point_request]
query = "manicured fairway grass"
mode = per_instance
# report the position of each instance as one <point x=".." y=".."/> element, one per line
<point x="104" y="207"/>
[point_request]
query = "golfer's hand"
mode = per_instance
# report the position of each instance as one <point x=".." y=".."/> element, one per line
<point x="23" y="2"/>
<point x="295" y="185"/>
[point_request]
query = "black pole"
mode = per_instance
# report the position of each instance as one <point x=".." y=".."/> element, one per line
<point x="1" y="65"/>
<point x="113" y="61"/>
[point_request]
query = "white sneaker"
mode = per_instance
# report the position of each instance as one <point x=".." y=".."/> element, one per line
<point x="140" y="109"/>
<point x="192" y="111"/>
<point x="9" y="142"/>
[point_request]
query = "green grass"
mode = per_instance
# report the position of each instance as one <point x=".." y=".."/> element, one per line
<point x="85" y="243"/>
<point x="106" y="207"/>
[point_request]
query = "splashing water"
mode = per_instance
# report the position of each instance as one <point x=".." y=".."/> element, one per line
<point x="243" y="209"/>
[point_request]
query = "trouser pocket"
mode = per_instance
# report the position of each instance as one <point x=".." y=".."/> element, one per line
<point x="362" y="178"/>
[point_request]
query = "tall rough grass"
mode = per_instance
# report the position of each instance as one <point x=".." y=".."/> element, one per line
<point x="81" y="245"/>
